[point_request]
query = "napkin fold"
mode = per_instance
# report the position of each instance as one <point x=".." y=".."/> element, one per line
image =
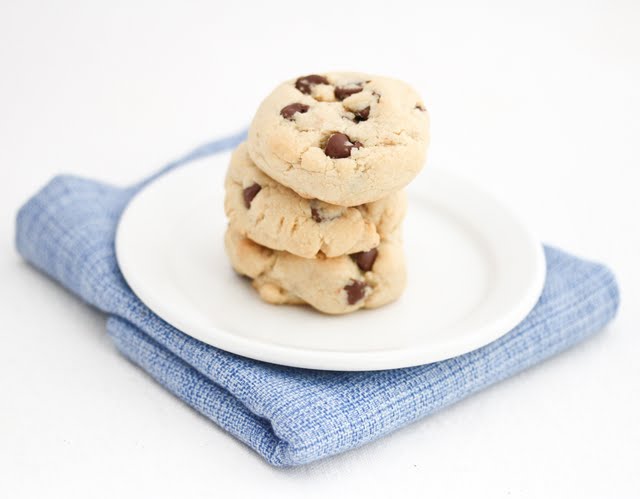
<point x="289" y="416"/>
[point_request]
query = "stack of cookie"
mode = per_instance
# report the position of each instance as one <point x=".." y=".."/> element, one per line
<point x="314" y="197"/>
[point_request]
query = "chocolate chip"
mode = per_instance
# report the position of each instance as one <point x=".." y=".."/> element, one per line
<point x="339" y="146"/>
<point x="288" y="111"/>
<point x="249" y="193"/>
<point x="315" y="214"/>
<point x="342" y="93"/>
<point x="421" y="107"/>
<point x="306" y="83"/>
<point x="362" y="115"/>
<point x="355" y="291"/>
<point x="365" y="259"/>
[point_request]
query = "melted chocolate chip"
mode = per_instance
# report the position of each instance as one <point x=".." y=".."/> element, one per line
<point x="315" y="214"/>
<point x="365" y="259"/>
<point x="355" y="291"/>
<point x="306" y="83"/>
<point x="342" y="93"/>
<point x="362" y="115"/>
<point x="420" y="107"/>
<point x="339" y="146"/>
<point x="287" y="112"/>
<point x="249" y="193"/>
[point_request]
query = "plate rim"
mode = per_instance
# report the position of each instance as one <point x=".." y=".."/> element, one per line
<point x="331" y="360"/>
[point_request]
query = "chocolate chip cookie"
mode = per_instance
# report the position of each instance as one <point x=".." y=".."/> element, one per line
<point x="275" y="216"/>
<point x="343" y="138"/>
<point x="332" y="285"/>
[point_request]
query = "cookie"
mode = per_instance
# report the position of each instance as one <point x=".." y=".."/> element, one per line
<point x="332" y="285"/>
<point x="275" y="216"/>
<point x="343" y="138"/>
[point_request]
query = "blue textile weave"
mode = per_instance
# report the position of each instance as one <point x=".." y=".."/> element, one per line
<point x="289" y="416"/>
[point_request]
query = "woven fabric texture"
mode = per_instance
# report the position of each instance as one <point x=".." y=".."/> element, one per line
<point x="289" y="416"/>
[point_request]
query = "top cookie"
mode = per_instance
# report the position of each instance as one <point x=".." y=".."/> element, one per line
<point x="343" y="138"/>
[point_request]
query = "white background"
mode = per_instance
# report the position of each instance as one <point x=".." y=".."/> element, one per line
<point x="539" y="104"/>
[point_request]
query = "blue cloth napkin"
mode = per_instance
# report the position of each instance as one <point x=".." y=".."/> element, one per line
<point x="289" y="416"/>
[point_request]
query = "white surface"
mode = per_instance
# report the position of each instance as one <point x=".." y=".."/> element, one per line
<point x="475" y="272"/>
<point x="540" y="104"/>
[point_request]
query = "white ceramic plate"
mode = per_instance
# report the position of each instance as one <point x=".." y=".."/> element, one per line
<point x="474" y="271"/>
